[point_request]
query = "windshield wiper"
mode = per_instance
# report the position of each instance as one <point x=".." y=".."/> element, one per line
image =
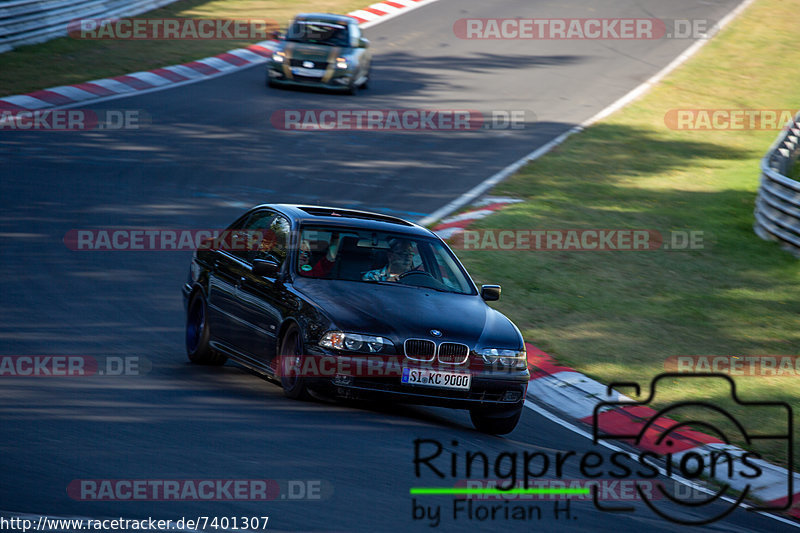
<point x="397" y="283"/>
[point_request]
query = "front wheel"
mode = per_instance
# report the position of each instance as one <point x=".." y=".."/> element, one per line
<point x="198" y="348"/>
<point x="494" y="422"/>
<point x="290" y="362"/>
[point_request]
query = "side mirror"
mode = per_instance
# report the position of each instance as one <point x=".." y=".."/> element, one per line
<point x="490" y="293"/>
<point x="265" y="268"/>
<point x="363" y="43"/>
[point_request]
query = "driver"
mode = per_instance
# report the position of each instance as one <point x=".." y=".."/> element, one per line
<point x="400" y="259"/>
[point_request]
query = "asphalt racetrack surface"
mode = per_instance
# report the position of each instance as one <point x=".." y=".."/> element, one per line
<point x="210" y="151"/>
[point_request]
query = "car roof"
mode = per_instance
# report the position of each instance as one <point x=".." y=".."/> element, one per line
<point x="324" y="17"/>
<point x="351" y="218"/>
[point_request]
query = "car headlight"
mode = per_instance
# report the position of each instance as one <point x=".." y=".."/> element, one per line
<point x="278" y="57"/>
<point x="353" y="342"/>
<point x="515" y="358"/>
<point x="341" y="62"/>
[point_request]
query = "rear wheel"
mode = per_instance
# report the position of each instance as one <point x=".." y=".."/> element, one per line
<point x="495" y="422"/>
<point x="290" y="363"/>
<point x="198" y="348"/>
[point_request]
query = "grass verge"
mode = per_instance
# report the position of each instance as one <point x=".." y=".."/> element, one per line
<point x="65" y="61"/>
<point x="618" y="315"/>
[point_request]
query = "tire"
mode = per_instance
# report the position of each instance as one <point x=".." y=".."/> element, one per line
<point x="198" y="348"/>
<point x="494" y="422"/>
<point x="294" y="386"/>
<point x="365" y="85"/>
<point x="352" y="90"/>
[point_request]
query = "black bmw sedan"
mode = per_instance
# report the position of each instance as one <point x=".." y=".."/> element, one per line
<point x="354" y="304"/>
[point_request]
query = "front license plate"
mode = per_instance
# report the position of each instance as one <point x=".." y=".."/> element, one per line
<point x="310" y="72"/>
<point x="435" y="378"/>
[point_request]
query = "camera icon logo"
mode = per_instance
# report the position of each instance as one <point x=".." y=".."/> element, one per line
<point x="682" y="453"/>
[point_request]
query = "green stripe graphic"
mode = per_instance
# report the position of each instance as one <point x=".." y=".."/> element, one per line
<point x="456" y="490"/>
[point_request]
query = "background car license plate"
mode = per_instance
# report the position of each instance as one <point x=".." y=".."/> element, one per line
<point x="435" y="378"/>
<point x="311" y="72"/>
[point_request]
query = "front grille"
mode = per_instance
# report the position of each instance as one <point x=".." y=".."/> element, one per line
<point x="420" y="349"/>
<point x="453" y="353"/>
<point x="299" y="63"/>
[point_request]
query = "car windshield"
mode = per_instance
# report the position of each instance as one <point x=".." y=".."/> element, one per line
<point x="327" y="33"/>
<point x="379" y="257"/>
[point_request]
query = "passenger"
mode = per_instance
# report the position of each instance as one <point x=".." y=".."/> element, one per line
<point x="325" y="264"/>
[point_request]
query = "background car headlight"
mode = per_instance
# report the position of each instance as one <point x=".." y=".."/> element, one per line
<point x="341" y="62"/>
<point x="354" y="342"/>
<point x="516" y="358"/>
<point x="278" y="57"/>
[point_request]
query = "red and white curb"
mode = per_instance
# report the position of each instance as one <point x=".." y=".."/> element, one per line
<point x="450" y="226"/>
<point x="139" y="82"/>
<point x="575" y="396"/>
<point x="381" y="11"/>
<point x="173" y="76"/>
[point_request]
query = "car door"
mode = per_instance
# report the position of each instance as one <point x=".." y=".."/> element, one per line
<point x="223" y="275"/>
<point x="260" y="303"/>
<point x="225" y="278"/>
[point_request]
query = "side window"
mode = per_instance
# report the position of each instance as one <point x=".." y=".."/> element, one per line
<point x="250" y="233"/>
<point x="447" y="271"/>
<point x="274" y="242"/>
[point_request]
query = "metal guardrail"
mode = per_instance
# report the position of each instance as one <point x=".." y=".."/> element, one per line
<point x="35" y="21"/>
<point x="777" y="210"/>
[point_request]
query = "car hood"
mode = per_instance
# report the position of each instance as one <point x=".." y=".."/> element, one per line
<point x="403" y="312"/>
<point x="317" y="53"/>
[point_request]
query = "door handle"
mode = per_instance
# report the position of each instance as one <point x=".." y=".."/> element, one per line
<point x="239" y="282"/>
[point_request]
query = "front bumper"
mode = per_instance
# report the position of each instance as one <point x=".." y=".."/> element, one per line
<point x="380" y="379"/>
<point x="483" y="393"/>
<point x="341" y="80"/>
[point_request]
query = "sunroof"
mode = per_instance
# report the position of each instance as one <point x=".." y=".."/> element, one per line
<point x="346" y="213"/>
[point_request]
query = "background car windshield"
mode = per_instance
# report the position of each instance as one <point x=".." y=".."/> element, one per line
<point x="370" y="256"/>
<point x="318" y="33"/>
